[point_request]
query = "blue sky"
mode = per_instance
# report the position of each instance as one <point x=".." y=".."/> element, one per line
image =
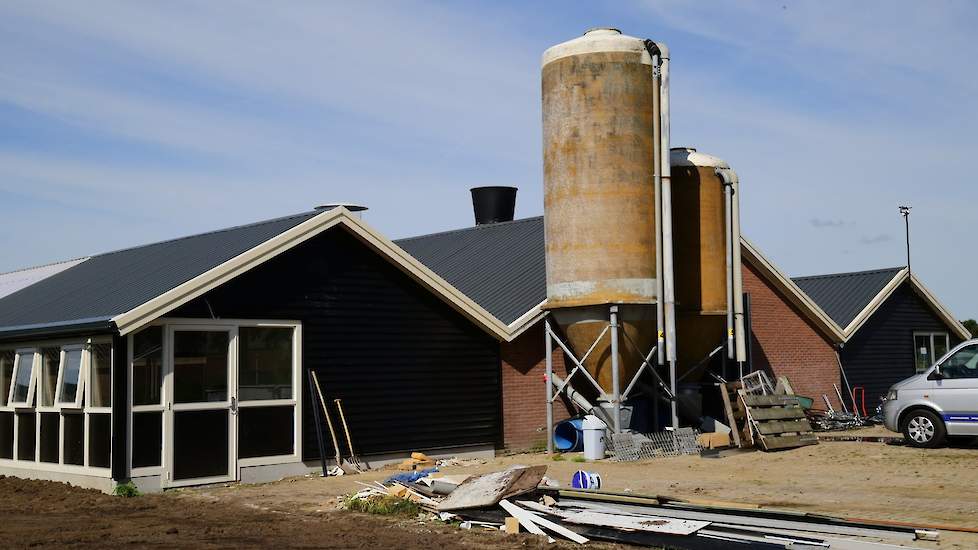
<point x="128" y="122"/>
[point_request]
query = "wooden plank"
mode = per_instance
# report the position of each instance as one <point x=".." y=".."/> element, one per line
<point x="524" y="517"/>
<point x="779" y="427"/>
<point x="770" y="400"/>
<point x="731" y="421"/>
<point x="512" y="525"/>
<point x="778" y="413"/>
<point x="787" y="441"/>
<point x="655" y="524"/>
<point x="543" y="522"/>
<point x="489" y="489"/>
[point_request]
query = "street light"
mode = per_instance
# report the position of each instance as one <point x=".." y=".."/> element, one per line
<point x="905" y="212"/>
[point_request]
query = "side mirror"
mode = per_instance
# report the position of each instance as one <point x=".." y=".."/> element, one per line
<point x="936" y="374"/>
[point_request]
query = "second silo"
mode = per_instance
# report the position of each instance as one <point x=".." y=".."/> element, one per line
<point x="598" y="194"/>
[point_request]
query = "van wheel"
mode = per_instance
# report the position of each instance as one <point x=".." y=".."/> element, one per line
<point x="922" y="428"/>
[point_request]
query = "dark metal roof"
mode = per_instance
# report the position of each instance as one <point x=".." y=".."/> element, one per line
<point x="843" y="295"/>
<point x="500" y="266"/>
<point x="110" y="284"/>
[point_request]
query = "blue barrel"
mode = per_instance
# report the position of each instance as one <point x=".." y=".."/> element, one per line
<point x="569" y="436"/>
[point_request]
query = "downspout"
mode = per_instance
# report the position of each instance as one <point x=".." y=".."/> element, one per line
<point x="738" y="278"/>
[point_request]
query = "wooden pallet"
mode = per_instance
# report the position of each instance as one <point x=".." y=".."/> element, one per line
<point x="778" y="420"/>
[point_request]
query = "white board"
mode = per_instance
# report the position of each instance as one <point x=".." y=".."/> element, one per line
<point x="654" y="524"/>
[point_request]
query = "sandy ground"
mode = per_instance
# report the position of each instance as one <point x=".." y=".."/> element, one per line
<point x="849" y="479"/>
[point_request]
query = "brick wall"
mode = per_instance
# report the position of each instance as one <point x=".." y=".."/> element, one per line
<point x="786" y="343"/>
<point x="524" y="400"/>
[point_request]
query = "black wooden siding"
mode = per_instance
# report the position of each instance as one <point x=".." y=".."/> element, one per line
<point x="881" y="352"/>
<point x="413" y="373"/>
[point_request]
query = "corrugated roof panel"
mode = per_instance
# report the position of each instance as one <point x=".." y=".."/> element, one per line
<point x="22" y="278"/>
<point x="500" y="266"/>
<point x="843" y="295"/>
<point x="109" y="284"/>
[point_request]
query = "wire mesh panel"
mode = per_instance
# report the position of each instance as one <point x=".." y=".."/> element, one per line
<point x="629" y="447"/>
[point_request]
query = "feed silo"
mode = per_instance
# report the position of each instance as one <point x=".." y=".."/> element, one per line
<point x="599" y="200"/>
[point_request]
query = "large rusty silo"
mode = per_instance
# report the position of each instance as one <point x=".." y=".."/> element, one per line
<point x="598" y="194"/>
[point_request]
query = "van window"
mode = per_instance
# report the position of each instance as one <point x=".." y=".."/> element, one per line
<point x="963" y="364"/>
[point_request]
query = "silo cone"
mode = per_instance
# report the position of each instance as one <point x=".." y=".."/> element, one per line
<point x="599" y="196"/>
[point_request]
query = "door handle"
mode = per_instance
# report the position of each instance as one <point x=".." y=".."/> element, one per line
<point x="234" y="405"/>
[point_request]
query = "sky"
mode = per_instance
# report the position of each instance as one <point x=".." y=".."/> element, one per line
<point x="123" y="123"/>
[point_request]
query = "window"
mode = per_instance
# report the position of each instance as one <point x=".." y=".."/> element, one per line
<point x="928" y="348"/>
<point x="147" y="366"/>
<point x="70" y="380"/>
<point x="6" y="374"/>
<point x="265" y="363"/>
<point x="50" y="361"/>
<point x="22" y="389"/>
<point x="100" y="369"/>
<point x="962" y="364"/>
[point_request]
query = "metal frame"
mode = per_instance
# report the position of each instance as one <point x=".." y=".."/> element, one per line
<point x="612" y="330"/>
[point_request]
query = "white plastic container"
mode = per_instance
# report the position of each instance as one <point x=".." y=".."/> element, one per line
<point x="594" y="433"/>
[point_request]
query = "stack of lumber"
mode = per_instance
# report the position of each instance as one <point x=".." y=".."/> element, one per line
<point x="516" y="499"/>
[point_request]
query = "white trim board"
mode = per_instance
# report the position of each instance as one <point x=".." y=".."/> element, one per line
<point x="147" y="312"/>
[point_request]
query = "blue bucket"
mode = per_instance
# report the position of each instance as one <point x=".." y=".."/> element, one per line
<point x="569" y="436"/>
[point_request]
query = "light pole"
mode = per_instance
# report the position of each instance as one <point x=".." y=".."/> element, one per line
<point x="905" y="212"/>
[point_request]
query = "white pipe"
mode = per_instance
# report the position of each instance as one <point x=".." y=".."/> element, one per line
<point x="667" y="256"/>
<point x="738" y="276"/>
<point x="727" y="192"/>
<point x="660" y="345"/>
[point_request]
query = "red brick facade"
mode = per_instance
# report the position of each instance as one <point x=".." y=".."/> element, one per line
<point x="524" y="393"/>
<point x="786" y="343"/>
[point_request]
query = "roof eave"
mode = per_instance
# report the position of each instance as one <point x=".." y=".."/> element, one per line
<point x="61" y="328"/>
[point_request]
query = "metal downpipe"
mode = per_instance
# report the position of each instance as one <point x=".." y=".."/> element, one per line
<point x="738" y="277"/>
<point x="728" y="236"/>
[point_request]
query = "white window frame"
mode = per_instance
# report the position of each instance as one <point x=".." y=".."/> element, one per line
<point x="35" y="464"/>
<point x="82" y="375"/>
<point x="6" y="392"/>
<point x="930" y="335"/>
<point x="166" y="394"/>
<point x="27" y="403"/>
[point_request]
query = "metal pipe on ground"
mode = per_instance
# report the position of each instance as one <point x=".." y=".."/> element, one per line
<point x="581" y="401"/>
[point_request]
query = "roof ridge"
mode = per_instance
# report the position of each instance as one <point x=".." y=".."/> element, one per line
<point x="212" y="232"/>
<point x="848" y="273"/>
<point x="39" y="266"/>
<point x="474" y="227"/>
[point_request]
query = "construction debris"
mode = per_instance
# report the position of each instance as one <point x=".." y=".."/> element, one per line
<point x="629" y="447"/>
<point x="580" y="516"/>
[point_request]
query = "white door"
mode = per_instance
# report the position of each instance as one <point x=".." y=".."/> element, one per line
<point x="201" y="405"/>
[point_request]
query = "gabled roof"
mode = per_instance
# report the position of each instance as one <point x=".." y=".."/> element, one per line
<point x="501" y="266"/>
<point x="843" y="295"/>
<point x="13" y="281"/>
<point x="129" y="288"/>
<point x="852" y="298"/>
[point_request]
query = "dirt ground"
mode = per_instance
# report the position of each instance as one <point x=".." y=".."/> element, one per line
<point x="849" y="479"/>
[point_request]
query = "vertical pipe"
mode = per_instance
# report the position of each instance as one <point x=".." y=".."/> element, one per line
<point x="728" y="229"/>
<point x="657" y="178"/>
<point x="667" y="256"/>
<point x="738" y="275"/>
<point x="550" y="386"/>
<point x="615" y="367"/>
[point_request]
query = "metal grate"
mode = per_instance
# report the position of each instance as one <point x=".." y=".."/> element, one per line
<point x="629" y="447"/>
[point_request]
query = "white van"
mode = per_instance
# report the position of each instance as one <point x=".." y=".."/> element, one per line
<point x="939" y="402"/>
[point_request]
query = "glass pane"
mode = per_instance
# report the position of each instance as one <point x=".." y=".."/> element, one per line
<point x="6" y="372"/>
<point x="99" y="440"/>
<point x="147" y="439"/>
<point x="200" y="444"/>
<point x="26" y="436"/>
<point x="962" y="364"/>
<point x="100" y="376"/>
<point x="50" y="427"/>
<point x="147" y="366"/>
<point x="922" y="352"/>
<point x="25" y="366"/>
<point x="200" y="366"/>
<point x="940" y="346"/>
<point x="70" y="374"/>
<point x="265" y="363"/>
<point x="50" y="361"/>
<point x="6" y="435"/>
<point x="265" y="431"/>
<point x="74" y="438"/>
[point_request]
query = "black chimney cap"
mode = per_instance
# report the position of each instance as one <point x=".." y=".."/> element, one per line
<point x="493" y="204"/>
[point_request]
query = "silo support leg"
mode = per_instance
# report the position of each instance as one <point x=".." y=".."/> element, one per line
<point x="550" y="389"/>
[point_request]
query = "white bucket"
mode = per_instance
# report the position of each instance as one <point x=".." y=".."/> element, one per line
<point x="594" y="433"/>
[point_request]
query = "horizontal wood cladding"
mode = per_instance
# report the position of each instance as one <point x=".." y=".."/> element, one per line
<point x="413" y="373"/>
<point x="881" y="352"/>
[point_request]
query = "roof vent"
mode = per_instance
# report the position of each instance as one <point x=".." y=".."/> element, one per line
<point x="493" y="204"/>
